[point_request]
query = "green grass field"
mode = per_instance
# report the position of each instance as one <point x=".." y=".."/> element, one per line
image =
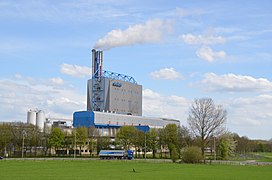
<point x="97" y="169"/>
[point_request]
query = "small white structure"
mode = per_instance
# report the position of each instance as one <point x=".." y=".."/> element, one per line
<point x="40" y="120"/>
<point x="31" y="117"/>
<point x="47" y="127"/>
<point x="37" y="118"/>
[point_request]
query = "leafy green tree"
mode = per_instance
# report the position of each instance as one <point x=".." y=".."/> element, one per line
<point x="139" y="141"/>
<point x="126" y="135"/>
<point x="184" y="137"/>
<point x="244" y="144"/>
<point x="171" y="133"/>
<point x="56" y="138"/>
<point x="174" y="155"/>
<point x="33" y="138"/>
<point x="168" y="138"/>
<point x="18" y="131"/>
<point x="92" y="134"/>
<point x="45" y="143"/>
<point x="92" y="146"/>
<point x="269" y="144"/>
<point x="152" y="141"/>
<point x="227" y="146"/>
<point x="81" y="137"/>
<point x="5" y="137"/>
<point x="162" y="141"/>
<point x="68" y="142"/>
<point x="103" y="142"/>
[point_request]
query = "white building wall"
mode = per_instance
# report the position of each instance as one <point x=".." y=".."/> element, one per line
<point x="119" y="119"/>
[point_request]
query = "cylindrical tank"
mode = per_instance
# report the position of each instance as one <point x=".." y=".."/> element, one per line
<point x="31" y="117"/>
<point x="47" y="127"/>
<point x="40" y="120"/>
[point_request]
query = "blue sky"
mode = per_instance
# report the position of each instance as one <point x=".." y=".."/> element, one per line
<point x="178" y="51"/>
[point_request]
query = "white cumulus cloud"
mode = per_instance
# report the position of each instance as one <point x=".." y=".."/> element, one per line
<point x="203" y="42"/>
<point x="202" y="39"/>
<point x="158" y="105"/>
<point x="151" y="31"/>
<point x="57" y="80"/>
<point x="75" y="70"/>
<point x="247" y="115"/>
<point x="208" y="54"/>
<point x="235" y="83"/>
<point x="19" y="95"/>
<point x="166" y="73"/>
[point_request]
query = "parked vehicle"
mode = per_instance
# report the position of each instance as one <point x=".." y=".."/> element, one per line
<point x="116" y="154"/>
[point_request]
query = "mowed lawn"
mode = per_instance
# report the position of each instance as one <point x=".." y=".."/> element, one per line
<point x="100" y="169"/>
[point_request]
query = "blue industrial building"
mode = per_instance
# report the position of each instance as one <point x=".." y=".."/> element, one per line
<point x="114" y="100"/>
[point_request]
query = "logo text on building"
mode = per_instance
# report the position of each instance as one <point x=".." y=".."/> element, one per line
<point x="117" y="84"/>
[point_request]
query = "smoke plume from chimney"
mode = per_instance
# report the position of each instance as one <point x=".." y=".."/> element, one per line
<point x="151" y="31"/>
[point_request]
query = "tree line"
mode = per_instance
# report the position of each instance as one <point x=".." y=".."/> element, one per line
<point x="206" y="132"/>
<point x="160" y="143"/>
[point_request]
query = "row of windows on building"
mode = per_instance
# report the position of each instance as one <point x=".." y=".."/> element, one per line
<point x="125" y="100"/>
<point x="126" y="91"/>
<point x="125" y="112"/>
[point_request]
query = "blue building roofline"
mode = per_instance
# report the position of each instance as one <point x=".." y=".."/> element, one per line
<point x="86" y="119"/>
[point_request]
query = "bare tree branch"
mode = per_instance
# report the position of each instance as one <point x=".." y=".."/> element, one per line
<point x="206" y="119"/>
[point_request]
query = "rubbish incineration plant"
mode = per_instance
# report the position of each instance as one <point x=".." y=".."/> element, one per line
<point x="114" y="100"/>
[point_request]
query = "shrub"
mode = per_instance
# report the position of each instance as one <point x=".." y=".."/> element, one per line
<point x="174" y="155"/>
<point x="192" y="155"/>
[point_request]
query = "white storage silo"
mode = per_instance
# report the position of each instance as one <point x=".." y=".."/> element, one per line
<point x="40" y="120"/>
<point x="47" y="127"/>
<point x="31" y="117"/>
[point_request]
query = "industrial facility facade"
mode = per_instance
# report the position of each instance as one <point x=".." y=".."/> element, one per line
<point x="114" y="95"/>
<point x="114" y="100"/>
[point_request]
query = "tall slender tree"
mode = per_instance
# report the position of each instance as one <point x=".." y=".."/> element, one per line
<point x="227" y="145"/>
<point x="56" y="138"/>
<point x="81" y="137"/>
<point x="206" y="119"/>
<point x="152" y="141"/>
<point x="92" y="134"/>
<point x="171" y="132"/>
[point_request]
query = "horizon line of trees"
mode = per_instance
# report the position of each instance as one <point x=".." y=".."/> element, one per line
<point x="206" y="130"/>
<point x="162" y="143"/>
